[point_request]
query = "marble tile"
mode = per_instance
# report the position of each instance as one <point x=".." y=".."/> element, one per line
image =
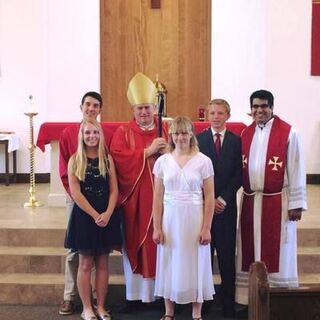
<point x="14" y="215"/>
<point x="14" y="264"/>
<point x="32" y="254"/>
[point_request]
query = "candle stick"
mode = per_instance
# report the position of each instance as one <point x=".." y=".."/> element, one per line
<point x="30" y="106"/>
<point x="32" y="190"/>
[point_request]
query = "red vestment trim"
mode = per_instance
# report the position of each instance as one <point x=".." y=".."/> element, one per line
<point x="275" y="167"/>
<point x="315" y="39"/>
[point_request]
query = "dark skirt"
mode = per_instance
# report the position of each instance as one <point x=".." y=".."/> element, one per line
<point x="85" y="236"/>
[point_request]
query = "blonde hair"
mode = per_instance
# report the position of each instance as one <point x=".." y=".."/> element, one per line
<point x="182" y="124"/>
<point x="78" y="162"/>
<point x="221" y="102"/>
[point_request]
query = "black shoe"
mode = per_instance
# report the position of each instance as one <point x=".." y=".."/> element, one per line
<point x="158" y="304"/>
<point x="130" y="306"/>
<point x="228" y="313"/>
<point x="242" y="313"/>
<point x="178" y="308"/>
<point x="206" y="306"/>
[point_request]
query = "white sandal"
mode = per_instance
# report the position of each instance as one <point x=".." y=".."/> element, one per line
<point x="83" y="316"/>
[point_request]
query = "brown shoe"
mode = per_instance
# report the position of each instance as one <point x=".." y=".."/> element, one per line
<point x="66" y="308"/>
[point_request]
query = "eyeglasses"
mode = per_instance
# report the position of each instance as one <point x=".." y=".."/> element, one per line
<point x="263" y="106"/>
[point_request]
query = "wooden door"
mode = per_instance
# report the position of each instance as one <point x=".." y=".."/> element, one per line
<point x="173" y="42"/>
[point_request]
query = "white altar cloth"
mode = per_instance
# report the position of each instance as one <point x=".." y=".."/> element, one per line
<point x="13" y="141"/>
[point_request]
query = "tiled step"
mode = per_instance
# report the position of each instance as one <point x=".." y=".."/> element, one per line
<point x="47" y="289"/>
<point x="308" y="237"/>
<point x="44" y="260"/>
<point x="309" y="260"/>
<point x="52" y="260"/>
<point x="32" y="289"/>
<point x="33" y="261"/>
<point x="32" y="237"/>
<point x="55" y="237"/>
<point x="42" y="289"/>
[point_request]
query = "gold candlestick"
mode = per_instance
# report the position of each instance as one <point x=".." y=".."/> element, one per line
<point x="32" y="190"/>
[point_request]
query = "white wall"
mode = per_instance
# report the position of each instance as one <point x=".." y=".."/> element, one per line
<point x="51" y="49"/>
<point x="238" y="52"/>
<point x="288" y="72"/>
<point x="266" y="44"/>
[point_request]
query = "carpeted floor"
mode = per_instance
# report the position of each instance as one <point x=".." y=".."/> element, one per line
<point x="116" y="301"/>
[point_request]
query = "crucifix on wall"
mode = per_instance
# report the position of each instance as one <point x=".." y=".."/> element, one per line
<point x="155" y="4"/>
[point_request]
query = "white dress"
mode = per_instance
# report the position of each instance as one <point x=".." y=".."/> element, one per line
<point x="183" y="270"/>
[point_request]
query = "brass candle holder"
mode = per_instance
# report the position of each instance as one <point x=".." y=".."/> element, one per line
<point x="32" y="190"/>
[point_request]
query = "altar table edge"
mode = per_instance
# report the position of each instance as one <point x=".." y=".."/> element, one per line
<point x="51" y="131"/>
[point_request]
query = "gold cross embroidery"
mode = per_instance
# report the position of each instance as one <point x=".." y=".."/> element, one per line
<point x="244" y="161"/>
<point x="275" y="163"/>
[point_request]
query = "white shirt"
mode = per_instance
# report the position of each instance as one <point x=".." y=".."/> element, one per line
<point x="222" y="134"/>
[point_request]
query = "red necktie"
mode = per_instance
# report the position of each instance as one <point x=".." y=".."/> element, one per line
<point x="217" y="143"/>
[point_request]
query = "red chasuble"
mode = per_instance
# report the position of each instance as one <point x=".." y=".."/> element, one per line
<point x="271" y="200"/>
<point x="135" y="180"/>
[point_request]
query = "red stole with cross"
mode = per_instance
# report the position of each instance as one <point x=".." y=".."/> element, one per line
<point x="271" y="200"/>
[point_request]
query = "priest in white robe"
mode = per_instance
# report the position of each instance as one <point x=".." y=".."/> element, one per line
<point x="274" y="196"/>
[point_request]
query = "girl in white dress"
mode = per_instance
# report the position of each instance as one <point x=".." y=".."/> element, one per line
<point x="183" y="207"/>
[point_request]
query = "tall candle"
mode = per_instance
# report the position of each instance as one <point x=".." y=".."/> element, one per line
<point x="30" y="106"/>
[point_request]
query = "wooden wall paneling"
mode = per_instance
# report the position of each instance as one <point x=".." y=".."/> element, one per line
<point x="162" y="43"/>
<point x="174" y="42"/>
<point x="114" y="58"/>
<point x="194" y="52"/>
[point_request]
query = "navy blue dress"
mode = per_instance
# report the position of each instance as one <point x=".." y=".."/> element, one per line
<point x="83" y="234"/>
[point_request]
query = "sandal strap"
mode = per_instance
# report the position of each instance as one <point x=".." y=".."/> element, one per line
<point x="167" y="316"/>
<point x="83" y="316"/>
<point x="105" y="316"/>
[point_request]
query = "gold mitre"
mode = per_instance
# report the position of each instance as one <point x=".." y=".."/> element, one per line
<point x="141" y="90"/>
